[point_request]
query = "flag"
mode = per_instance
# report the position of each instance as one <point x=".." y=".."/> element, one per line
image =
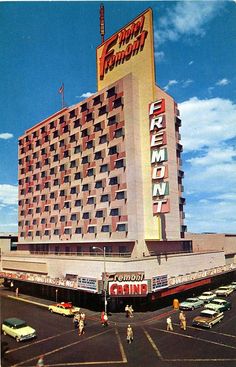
<point x="61" y="89"/>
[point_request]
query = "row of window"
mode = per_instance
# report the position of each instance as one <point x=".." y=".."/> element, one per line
<point x="121" y="227"/>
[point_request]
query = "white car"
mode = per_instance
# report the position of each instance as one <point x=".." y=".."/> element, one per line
<point x="233" y="285"/>
<point x="208" y="318"/>
<point x="225" y="290"/>
<point x="207" y="296"/>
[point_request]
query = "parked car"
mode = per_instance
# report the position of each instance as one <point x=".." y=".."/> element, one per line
<point x="64" y="308"/>
<point x="225" y="290"/>
<point x="219" y="305"/>
<point x="18" y="329"/>
<point x="233" y="285"/>
<point x="207" y="296"/>
<point x="207" y="318"/>
<point x="191" y="304"/>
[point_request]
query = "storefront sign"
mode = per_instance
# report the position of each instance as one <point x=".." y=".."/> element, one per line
<point x="159" y="282"/>
<point x="128" y="289"/>
<point x="122" y="46"/>
<point x="129" y="276"/>
<point x="160" y="185"/>
<point x="87" y="284"/>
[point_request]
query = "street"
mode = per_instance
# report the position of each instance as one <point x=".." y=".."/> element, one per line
<point x="99" y="346"/>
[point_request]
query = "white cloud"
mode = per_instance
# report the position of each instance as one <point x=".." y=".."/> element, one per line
<point x="207" y="122"/>
<point x="220" y="155"/>
<point x="186" y="18"/>
<point x="6" y="136"/>
<point x="85" y="95"/>
<point x="223" y="82"/>
<point x="169" y="84"/>
<point x="159" y="56"/>
<point x="8" y="194"/>
<point x="191" y="62"/>
<point x="186" y="83"/>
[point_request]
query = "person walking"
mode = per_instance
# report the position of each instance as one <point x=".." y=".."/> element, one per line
<point x="40" y="362"/>
<point x="83" y="317"/>
<point x="81" y="327"/>
<point x="182" y="319"/>
<point x="169" y="324"/>
<point x="129" y="334"/>
<point x="127" y="310"/>
<point x="131" y="311"/>
<point x="76" y="320"/>
<point x="105" y="320"/>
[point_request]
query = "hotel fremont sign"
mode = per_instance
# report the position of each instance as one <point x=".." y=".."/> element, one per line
<point x="127" y="284"/>
<point x="122" y="46"/>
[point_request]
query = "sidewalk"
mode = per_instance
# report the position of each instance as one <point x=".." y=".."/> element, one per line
<point x="116" y="318"/>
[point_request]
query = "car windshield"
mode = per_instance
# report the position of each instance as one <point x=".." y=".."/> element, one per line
<point x="206" y="293"/>
<point x="191" y="300"/>
<point x="218" y="302"/>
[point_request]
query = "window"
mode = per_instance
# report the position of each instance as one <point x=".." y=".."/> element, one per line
<point x="98" y="184"/>
<point x="89" y="116"/>
<point x="77" y="123"/>
<point x="96" y="100"/>
<point x="67" y="231"/>
<point x="78" y="176"/>
<point x="72" y="138"/>
<point x="52" y="148"/>
<point x="105" y="228"/>
<point x="56" y="182"/>
<point x="121" y="227"/>
<point x="92" y="229"/>
<point x="43" y="151"/>
<point x="85" y="187"/>
<point x="102" y="110"/>
<point x="73" y="164"/>
<point x="62" y="143"/>
<point x="90" y="172"/>
<point x="73" y="190"/>
<point x="78" y="203"/>
<point x="114" y="212"/>
<point x="97" y="127"/>
<point x="66" y="153"/>
<point x="113" y="150"/>
<point x="38" y="165"/>
<point x="104" y="198"/>
<point x="43" y="197"/>
<point x="118" y="102"/>
<point x="55" y="157"/>
<point x="52" y="171"/>
<point x="61" y="119"/>
<point x="111" y="92"/>
<point x="43" y="220"/>
<point x="72" y="114"/>
<point x="113" y="181"/>
<point x="103" y="139"/>
<point x="56" y="232"/>
<point x="86" y="215"/>
<point x="62" y="167"/>
<point x="121" y="195"/>
<point x="34" y="199"/>
<point x="52" y="195"/>
<point x="52" y="220"/>
<point x="38" y="233"/>
<point x="62" y="193"/>
<point x="67" y="204"/>
<point x="112" y="120"/>
<point x="55" y="134"/>
<point x="77" y="149"/>
<point x="30" y="234"/>
<point x="47" y="232"/>
<point x="34" y="221"/>
<point x="67" y="179"/>
<point x="89" y="144"/>
<point x="119" y="133"/>
<point x="37" y="187"/>
<point x="56" y="206"/>
<point x="91" y="200"/>
<point x="98" y="155"/>
<point x="73" y="217"/>
<point x="47" y="185"/>
<point x="46" y="208"/>
<point x="85" y="159"/>
<point x="120" y="163"/>
<point x="52" y="125"/>
<point x="43" y="174"/>
<point x="99" y="214"/>
<point x="104" y="168"/>
<point x="84" y="107"/>
<point x="84" y="133"/>
<point x="62" y="218"/>
<point x="78" y="230"/>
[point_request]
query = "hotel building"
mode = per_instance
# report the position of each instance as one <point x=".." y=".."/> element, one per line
<point x="105" y="174"/>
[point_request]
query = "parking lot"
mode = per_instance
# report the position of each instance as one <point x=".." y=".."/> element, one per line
<point x="153" y="345"/>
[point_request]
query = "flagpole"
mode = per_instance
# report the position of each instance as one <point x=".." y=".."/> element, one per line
<point x="62" y="96"/>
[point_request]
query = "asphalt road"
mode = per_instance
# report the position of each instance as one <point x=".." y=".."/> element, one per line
<point x="153" y="346"/>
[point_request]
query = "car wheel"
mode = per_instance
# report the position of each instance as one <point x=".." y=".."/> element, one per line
<point x="63" y="314"/>
<point x="210" y="326"/>
<point x="193" y="308"/>
<point x="51" y="311"/>
<point x="4" y="333"/>
<point x="17" y="339"/>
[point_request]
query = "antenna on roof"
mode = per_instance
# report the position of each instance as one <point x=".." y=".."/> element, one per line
<point x="102" y="22"/>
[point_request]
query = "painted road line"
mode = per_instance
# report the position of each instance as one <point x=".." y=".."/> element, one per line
<point x="81" y="363"/>
<point x="28" y="301"/>
<point x="153" y="344"/>
<point x="200" y="360"/>
<point x="122" y="351"/>
<point x="212" y="331"/>
<point x="195" y="338"/>
<point x="64" y="347"/>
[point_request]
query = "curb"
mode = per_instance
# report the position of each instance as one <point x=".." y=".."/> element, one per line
<point x="28" y="301"/>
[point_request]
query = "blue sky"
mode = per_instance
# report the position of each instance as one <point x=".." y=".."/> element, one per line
<point x="45" y="43"/>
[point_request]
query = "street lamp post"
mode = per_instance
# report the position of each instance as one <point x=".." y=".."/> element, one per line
<point x="104" y="271"/>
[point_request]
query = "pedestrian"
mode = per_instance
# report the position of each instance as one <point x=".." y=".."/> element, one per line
<point x="169" y="324"/>
<point x="127" y="310"/>
<point x="83" y="317"/>
<point x="81" y="327"/>
<point x="76" y="320"/>
<point x="40" y="362"/>
<point x="129" y="334"/>
<point x="182" y="319"/>
<point x="105" y="320"/>
<point x="131" y="311"/>
<point x="17" y="292"/>
<point x="102" y="318"/>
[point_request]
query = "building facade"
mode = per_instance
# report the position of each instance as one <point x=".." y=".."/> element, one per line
<point x="105" y="174"/>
